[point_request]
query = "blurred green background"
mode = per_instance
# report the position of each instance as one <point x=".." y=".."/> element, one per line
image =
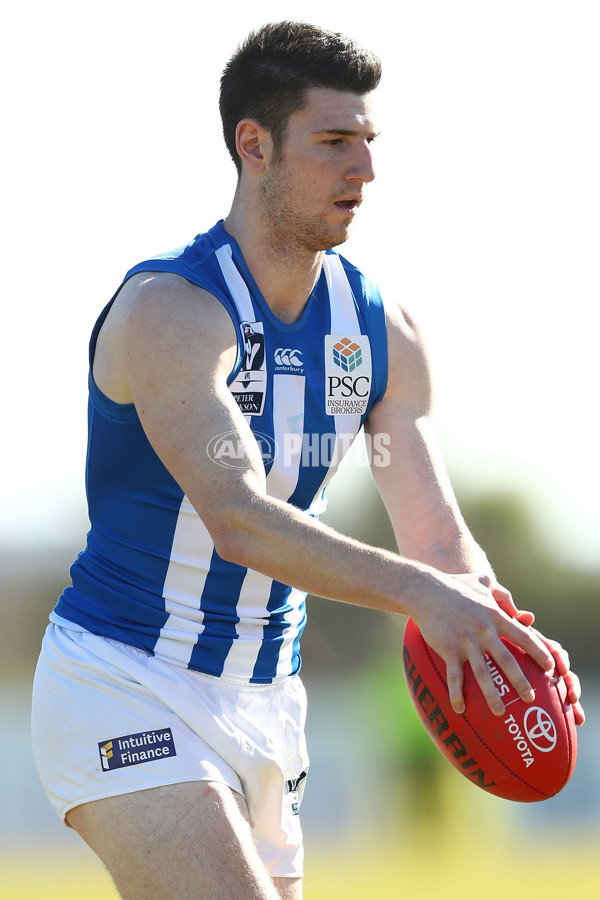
<point x="384" y="815"/>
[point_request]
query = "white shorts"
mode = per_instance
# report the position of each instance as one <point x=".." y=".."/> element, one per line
<point x="110" y="719"/>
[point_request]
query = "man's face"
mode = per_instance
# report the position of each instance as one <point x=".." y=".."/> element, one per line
<point x="314" y="186"/>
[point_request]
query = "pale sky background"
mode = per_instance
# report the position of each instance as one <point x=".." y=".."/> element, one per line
<point x="484" y="219"/>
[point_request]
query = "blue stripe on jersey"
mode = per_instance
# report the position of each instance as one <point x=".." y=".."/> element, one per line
<point x="150" y="574"/>
<point x="218" y="604"/>
<point x="265" y="669"/>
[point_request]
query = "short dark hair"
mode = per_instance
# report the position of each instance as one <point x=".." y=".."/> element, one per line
<point x="267" y="77"/>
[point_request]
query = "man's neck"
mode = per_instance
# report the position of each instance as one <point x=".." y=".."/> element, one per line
<point x="286" y="276"/>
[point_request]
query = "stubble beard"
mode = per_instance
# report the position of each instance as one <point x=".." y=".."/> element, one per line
<point x="292" y="232"/>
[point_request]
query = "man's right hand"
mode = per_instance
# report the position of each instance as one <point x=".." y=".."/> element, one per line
<point x="466" y="624"/>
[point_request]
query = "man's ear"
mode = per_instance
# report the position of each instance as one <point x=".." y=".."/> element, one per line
<point x="253" y="144"/>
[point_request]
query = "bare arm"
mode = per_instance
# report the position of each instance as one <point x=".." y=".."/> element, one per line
<point x="168" y="347"/>
<point x="423" y="509"/>
<point x="415" y="487"/>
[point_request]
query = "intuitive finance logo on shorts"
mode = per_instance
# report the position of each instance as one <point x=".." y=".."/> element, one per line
<point x="133" y="749"/>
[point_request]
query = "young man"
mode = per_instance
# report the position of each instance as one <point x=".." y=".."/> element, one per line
<point x="168" y="712"/>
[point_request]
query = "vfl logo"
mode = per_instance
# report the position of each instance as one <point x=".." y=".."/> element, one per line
<point x="133" y="749"/>
<point x="288" y="357"/>
<point x="541" y="731"/>
<point x="250" y="386"/>
<point x="254" y="348"/>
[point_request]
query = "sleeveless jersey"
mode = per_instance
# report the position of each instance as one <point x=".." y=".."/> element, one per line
<point x="150" y="575"/>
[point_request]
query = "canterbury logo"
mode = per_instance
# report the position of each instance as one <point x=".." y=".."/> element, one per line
<point x="288" y="357"/>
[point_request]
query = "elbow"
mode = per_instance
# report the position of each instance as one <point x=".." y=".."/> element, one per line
<point x="229" y="545"/>
<point x="233" y="536"/>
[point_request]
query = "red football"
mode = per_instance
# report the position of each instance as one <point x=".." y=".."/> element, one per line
<point x="526" y="754"/>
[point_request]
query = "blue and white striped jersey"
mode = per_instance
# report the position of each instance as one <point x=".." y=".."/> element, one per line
<point x="150" y="575"/>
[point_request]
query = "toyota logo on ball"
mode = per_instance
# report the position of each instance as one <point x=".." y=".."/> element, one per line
<point x="540" y="729"/>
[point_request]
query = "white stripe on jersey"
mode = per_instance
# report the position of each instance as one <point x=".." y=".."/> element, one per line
<point x="249" y="630"/>
<point x="288" y="407"/>
<point x="288" y="403"/>
<point x="344" y="321"/>
<point x="179" y="633"/>
<point x="236" y="284"/>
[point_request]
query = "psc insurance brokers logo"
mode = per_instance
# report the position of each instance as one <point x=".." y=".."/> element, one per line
<point x="133" y="749"/>
<point x="348" y="374"/>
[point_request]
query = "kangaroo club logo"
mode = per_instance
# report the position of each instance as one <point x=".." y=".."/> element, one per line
<point x="540" y="729"/>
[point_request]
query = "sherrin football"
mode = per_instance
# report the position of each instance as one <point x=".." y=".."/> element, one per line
<point x="527" y="754"/>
